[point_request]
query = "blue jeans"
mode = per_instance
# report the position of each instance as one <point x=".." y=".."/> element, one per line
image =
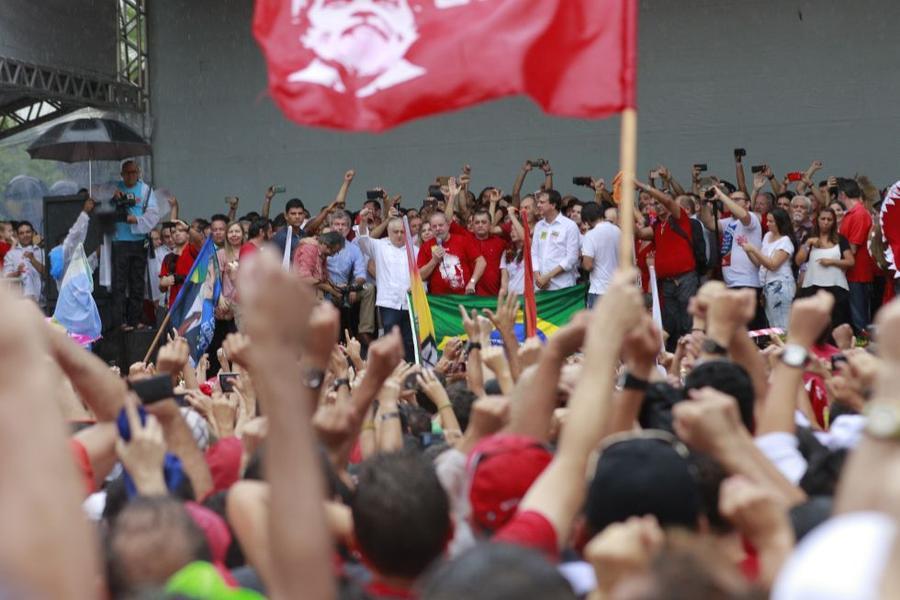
<point x="779" y="295"/>
<point x="860" y="305"/>
<point x="391" y="317"/>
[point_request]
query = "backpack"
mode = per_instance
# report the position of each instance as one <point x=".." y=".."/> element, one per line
<point x="697" y="241"/>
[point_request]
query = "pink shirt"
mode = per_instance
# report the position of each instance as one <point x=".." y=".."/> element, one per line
<point x="308" y="262"/>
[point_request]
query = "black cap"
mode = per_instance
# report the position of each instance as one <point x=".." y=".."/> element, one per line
<point x="641" y="476"/>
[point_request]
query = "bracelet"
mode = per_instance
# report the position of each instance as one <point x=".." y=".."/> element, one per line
<point x="390" y="415"/>
<point x="473" y="346"/>
<point x="443" y="406"/>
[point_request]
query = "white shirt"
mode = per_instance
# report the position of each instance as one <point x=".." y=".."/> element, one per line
<point x="154" y="266"/>
<point x="31" y="278"/>
<point x="391" y="271"/>
<point x="769" y="248"/>
<point x="554" y="245"/>
<point x="516" y="272"/>
<point x="602" y="244"/>
<point x="737" y="268"/>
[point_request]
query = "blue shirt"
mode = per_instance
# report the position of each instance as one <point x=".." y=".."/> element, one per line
<point x="347" y="265"/>
<point x="123" y="230"/>
<point x="279" y="238"/>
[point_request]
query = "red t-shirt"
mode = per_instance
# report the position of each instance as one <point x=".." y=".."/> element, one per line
<point x="674" y="254"/>
<point x="492" y="249"/>
<point x="455" y="270"/>
<point x="642" y="250"/>
<point x="247" y="249"/>
<point x="183" y="267"/>
<point x="530" y="529"/>
<point x="855" y="226"/>
<point x="4" y="248"/>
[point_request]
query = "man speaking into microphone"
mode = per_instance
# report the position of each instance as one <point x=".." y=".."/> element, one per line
<point x="451" y="262"/>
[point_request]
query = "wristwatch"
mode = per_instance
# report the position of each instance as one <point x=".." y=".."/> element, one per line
<point x="473" y="346"/>
<point x="883" y="421"/>
<point x="627" y="381"/>
<point x="313" y="378"/>
<point x="795" y="355"/>
<point x="711" y="346"/>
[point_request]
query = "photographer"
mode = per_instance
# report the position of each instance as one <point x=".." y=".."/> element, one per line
<point x="137" y="213"/>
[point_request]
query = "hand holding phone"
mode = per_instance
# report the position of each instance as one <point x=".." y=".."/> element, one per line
<point x="153" y="389"/>
<point x="227" y="381"/>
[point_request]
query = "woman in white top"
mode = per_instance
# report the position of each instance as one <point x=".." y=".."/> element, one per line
<point x="828" y="257"/>
<point x="774" y="262"/>
<point x="512" y="266"/>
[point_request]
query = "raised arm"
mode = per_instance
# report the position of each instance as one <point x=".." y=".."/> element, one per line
<point x="668" y="201"/>
<point x="558" y="493"/>
<point x="548" y="175"/>
<point x="739" y="173"/>
<point x="520" y="180"/>
<point x="669" y="181"/>
<point x="233" y="202"/>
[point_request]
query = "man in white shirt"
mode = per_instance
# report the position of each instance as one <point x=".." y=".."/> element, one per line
<point x="391" y="278"/>
<point x="27" y="262"/>
<point x="599" y="249"/>
<point x="741" y="227"/>
<point x="555" y="245"/>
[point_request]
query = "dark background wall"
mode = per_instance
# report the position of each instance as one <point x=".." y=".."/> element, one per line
<point x="789" y="80"/>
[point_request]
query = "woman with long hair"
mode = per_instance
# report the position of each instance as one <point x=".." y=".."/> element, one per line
<point x="774" y="262"/>
<point x="827" y="256"/>
<point x="226" y="308"/>
<point x="512" y="265"/>
<point x="839" y="211"/>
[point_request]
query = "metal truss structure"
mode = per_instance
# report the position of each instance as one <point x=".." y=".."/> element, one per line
<point x="33" y="94"/>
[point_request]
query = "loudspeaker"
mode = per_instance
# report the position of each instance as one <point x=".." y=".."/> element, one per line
<point x="124" y="348"/>
<point x="60" y="213"/>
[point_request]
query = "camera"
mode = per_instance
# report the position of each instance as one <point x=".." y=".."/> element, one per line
<point x="115" y="211"/>
<point x="537" y="162"/>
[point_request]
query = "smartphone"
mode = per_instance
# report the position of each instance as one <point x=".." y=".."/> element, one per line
<point x="227" y="381"/>
<point x="443" y="180"/>
<point x="279" y="189"/>
<point x="582" y="181"/>
<point x="757" y="168"/>
<point x="739" y="152"/>
<point x="701" y="167"/>
<point x="537" y="162"/>
<point x="374" y="194"/>
<point x="435" y="192"/>
<point x="411" y="382"/>
<point x="795" y="176"/>
<point x="153" y="389"/>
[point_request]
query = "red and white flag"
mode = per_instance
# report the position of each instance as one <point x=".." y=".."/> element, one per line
<point x="369" y="65"/>
<point x="890" y="228"/>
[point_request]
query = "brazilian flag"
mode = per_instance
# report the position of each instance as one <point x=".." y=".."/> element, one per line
<point x="554" y="309"/>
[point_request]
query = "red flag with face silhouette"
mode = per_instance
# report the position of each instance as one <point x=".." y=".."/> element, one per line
<point x="368" y="65"/>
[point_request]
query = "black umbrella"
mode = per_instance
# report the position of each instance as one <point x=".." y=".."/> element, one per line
<point x="89" y="139"/>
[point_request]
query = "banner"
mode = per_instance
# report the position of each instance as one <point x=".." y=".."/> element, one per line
<point x="422" y="324"/>
<point x="554" y="308"/>
<point x="371" y="64"/>
<point x="193" y="312"/>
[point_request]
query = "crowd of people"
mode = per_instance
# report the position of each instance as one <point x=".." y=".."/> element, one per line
<point x="743" y="445"/>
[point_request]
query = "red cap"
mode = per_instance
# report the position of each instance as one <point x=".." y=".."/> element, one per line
<point x="224" y="460"/>
<point x="215" y="530"/>
<point x="502" y="467"/>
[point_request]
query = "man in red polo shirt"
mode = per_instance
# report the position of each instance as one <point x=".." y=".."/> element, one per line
<point x="451" y="262"/>
<point x="491" y="248"/>
<point x="186" y="258"/>
<point x="855" y="226"/>
<point x="675" y="267"/>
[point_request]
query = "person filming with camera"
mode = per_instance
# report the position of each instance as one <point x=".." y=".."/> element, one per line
<point x="137" y="213"/>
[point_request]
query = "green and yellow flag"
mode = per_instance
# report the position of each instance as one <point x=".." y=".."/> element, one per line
<point x="554" y="309"/>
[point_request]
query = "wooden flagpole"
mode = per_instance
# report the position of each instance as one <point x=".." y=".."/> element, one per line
<point x="627" y="166"/>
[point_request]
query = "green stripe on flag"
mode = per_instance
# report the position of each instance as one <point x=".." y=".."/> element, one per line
<point x="554" y="309"/>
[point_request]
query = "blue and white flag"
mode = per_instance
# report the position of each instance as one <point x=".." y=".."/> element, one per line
<point x="193" y="312"/>
<point x="76" y="309"/>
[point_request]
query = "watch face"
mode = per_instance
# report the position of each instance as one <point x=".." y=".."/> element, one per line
<point x="794" y="356"/>
<point x="882" y="422"/>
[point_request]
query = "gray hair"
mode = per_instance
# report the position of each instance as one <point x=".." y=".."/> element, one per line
<point x="806" y="201"/>
<point x="339" y="214"/>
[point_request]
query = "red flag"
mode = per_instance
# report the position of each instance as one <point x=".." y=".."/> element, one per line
<point x="372" y="64"/>
<point x="890" y="227"/>
<point x="530" y="305"/>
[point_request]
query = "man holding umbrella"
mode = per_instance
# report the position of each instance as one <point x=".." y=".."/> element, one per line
<point x="135" y="199"/>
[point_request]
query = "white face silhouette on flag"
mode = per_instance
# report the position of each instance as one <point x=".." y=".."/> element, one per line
<point x="360" y="45"/>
